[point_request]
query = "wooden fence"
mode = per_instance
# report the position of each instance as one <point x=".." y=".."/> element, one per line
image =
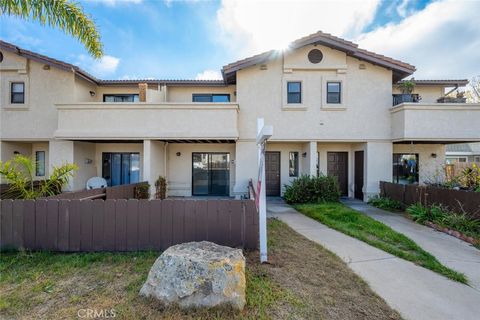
<point x="456" y="200"/>
<point x="124" y="191"/>
<point x="125" y="225"/>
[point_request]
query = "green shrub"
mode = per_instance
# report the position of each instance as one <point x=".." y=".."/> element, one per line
<point x="142" y="191"/>
<point x="418" y="212"/>
<point x="440" y="215"/>
<point x="310" y="189"/>
<point x="385" y="203"/>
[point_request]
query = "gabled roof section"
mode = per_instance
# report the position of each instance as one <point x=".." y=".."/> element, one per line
<point x="444" y="82"/>
<point x="400" y="69"/>
<point x="47" y="60"/>
<point x="82" y="73"/>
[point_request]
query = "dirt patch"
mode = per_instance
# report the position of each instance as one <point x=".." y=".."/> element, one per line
<point x="304" y="281"/>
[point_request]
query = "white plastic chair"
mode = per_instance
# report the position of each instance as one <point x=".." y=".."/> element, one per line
<point x="96" y="183"/>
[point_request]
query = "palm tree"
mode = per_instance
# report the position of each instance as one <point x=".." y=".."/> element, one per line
<point x="20" y="174"/>
<point x="62" y="14"/>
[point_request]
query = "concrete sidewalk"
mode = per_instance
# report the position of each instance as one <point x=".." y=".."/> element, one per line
<point x="415" y="292"/>
<point x="450" y="251"/>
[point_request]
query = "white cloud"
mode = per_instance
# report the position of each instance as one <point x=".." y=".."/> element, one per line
<point x="442" y="40"/>
<point x="250" y="27"/>
<point x="104" y="66"/>
<point x="209" y="75"/>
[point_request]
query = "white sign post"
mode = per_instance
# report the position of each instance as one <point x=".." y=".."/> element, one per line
<point x="263" y="133"/>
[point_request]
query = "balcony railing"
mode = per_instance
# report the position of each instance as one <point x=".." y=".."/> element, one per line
<point x="405" y="98"/>
<point x="415" y="98"/>
<point x="147" y="121"/>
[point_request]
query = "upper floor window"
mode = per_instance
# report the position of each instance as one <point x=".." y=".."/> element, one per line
<point x="221" y="97"/>
<point x="17" y="92"/>
<point x="120" y="98"/>
<point x="334" y="92"/>
<point x="294" y="92"/>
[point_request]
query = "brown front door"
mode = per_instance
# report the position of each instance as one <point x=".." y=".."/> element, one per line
<point x="359" y="175"/>
<point x="272" y="173"/>
<point x="337" y="166"/>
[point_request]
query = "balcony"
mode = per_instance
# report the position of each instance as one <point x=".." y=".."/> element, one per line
<point x="137" y="121"/>
<point x="430" y="122"/>
<point x="408" y="98"/>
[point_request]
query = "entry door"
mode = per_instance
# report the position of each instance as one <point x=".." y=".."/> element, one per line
<point x="210" y="174"/>
<point x="272" y="173"/>
<point x="359" y="175"/>
<point x="120" y="168"/>
<point x="337" y="166"/>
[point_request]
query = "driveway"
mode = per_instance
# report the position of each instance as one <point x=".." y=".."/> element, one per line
<point x="415" y="292"/>
<point x="450" y="251"/>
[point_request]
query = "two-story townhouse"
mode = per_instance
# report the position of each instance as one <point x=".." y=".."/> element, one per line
<point x="329" y="102"/>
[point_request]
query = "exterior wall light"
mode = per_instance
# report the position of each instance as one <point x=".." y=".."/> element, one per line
<point x="304" y="155"/>
<point x="433" y="155"/>
<point x="179" y="154"/>
<point x="92" y="93"/>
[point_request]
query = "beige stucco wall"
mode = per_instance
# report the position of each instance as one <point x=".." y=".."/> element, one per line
<point x="83" y="152"/>
<point x="366" y="95"/>
<point x="154" y="162"/>
<point x="429" y="168"/>
<point x="184" y="94"/>
<point x="37" y="118"/>
<point x="440" y="122"/>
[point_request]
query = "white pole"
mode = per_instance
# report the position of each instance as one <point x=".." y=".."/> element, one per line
<point x="262" y="203"/>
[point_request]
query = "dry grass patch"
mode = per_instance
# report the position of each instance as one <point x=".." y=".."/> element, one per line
<point x="56" y="286"/>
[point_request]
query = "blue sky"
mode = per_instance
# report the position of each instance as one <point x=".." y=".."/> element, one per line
<point x="194" y="38"/>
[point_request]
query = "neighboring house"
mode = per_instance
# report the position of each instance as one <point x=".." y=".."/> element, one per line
<point x="329" y="102"/>
<point x="463" y="152"/>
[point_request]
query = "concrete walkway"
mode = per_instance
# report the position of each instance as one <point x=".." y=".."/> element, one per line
<point x="450" y="251"/>
<point x="415" y="292"/>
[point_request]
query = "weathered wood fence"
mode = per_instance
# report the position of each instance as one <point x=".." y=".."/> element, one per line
<point x="456" y="200"/>
<point x="125" y="225"/>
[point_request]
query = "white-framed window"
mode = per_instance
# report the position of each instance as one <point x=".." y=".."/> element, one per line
<point x="294" y="92"/>
<point x="334" y="92"/>
<point x="40" y="163"/>
<point x="476" y="158"/>
<point x="17" y="92"/>
<point x="293" y="164"/>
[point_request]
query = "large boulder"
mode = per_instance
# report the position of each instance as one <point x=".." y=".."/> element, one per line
<point x="198" y="274"/>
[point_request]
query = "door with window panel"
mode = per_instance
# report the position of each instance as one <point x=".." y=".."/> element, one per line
<point x="210" y="174"/>
<point x="120" y="168"/>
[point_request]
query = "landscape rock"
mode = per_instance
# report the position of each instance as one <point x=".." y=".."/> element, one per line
<point x="198" y="274"/>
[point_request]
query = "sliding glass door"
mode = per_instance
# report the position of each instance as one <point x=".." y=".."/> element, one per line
<point x="210" y="174"/>
<point x="120" y="168"/>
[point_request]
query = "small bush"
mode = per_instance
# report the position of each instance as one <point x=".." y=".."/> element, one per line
<point x="310" y="189"/>
<point x="142" y="191"/>
<point x="161" y="188"/>
<point x="418" y="212"/>
<point x="385" y="203"/>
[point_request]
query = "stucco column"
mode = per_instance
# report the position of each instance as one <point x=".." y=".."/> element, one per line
<point x="246" y="166"/>
<point x="154" y="162"/>
<point x="312" y="158"/>
<point x="59" y="153"/>
<point x="378" y="167"/>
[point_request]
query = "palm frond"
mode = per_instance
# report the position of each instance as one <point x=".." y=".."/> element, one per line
<point x="62" y="14"/>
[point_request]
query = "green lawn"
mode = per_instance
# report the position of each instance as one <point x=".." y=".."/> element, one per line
<point x="377" y="234"/>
